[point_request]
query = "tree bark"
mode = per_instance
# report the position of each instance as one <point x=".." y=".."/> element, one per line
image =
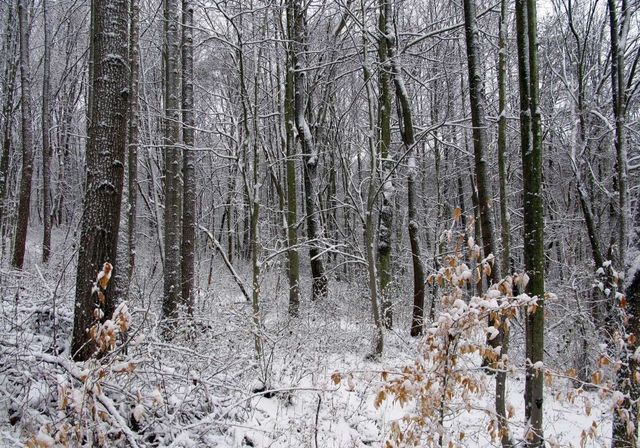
<point x="105" y="167"/>
<point x="501" y="374"/>
<point x="188" y="170"/>
<point x="309" y="153"/>
<point x="531" y="148"/>
<point x="618" y="95"/>
<point x="479" y="123"/>
<point x="133" y="134"/>
<point x="8" y="89"/>
<point x="408" y="140"/>
<point x="173" y="161"/>
<point x="293" y="257"/>
<point x="385" y="230"/>
<point x="24" y="200"/>
<point x="629" y="373"/>
<point x="46" y="128"/>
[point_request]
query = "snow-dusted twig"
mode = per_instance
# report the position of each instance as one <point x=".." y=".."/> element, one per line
<point x="233" y="272"/>
<point x="75" y="372"/>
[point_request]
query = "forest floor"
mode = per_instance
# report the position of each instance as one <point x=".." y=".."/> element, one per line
<point x="206" y="388"/>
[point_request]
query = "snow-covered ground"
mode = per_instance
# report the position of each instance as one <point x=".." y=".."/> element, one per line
<point x="206" y="388"/>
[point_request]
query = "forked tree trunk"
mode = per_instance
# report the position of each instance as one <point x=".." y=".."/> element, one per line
<point x="309" y="153"/>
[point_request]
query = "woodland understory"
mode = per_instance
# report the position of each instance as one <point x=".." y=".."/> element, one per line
<point x="320" y="223"/>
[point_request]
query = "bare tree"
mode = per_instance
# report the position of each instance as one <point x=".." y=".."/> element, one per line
<point x="11" y="65"/>
<point x="172" y="159"/>
<point x="309" y="152"/>
<point x="27" y="137"/>
<point x="46" y="129"/>
<point x="531" y="148"/>
<point x="188" y="160"/>
<point x="105" y="168"/>
<point x="133" y="134"/>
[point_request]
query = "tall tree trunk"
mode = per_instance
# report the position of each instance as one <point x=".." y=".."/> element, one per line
<point x="625" y="413"/>
<point x="188" y="170"/>
<point x="501" y="374"/>
<point x="505" y="227"/>
<point x="24" y="200"/>
<point x="172" y="215"/>
<point x="133" y="134"/>
<point x="105" y="170"/>
<point x="479" y="124"/>
<point x="309" y="153"/>
<point x="483" y="182"/>
<point x="46" y="128"/>
<point x="293" y="257"/>
<point x="8" y="89"/>
<point x="385" y="230"/>
<point x="408" y="140"/>
<point x="618" y="102"/>
<point x="531" y="148"/>
<point x="369" y="225"/>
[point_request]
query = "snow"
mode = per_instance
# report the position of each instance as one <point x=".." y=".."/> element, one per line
<point x="205" y="387"/>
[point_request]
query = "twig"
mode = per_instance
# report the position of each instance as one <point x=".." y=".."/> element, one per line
<point x="233" y="272"/>
<point x="72" y="369"/>
<point x="315" y="433"/>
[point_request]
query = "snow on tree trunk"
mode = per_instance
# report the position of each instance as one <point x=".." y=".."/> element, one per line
<point x="173" y="161"/>
<point x="189" y="159"/>
<point x="27" y="139"/>
<point x="105" y="167"/>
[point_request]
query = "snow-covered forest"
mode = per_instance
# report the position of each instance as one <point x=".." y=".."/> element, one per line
<point x="319" y="223"/>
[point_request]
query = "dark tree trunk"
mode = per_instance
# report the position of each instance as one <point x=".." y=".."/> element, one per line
<point x="173" y="160"/>
<point x="24" y="200"/>
<point x="293" y="257"/>
<point x="105" y="167"/>
<point x="531" y="149"/>
<point x="8" y="89"/>
<point x="188" y="170"/>
<point x="309" y="153"/>
<point x="385" y="230"/>
<point x="133" y="134"/>
<point x="46" y="129"/>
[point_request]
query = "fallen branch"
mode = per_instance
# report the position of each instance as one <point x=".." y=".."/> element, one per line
<point x="233" y="272"/>
<point x="73" y="370"/>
